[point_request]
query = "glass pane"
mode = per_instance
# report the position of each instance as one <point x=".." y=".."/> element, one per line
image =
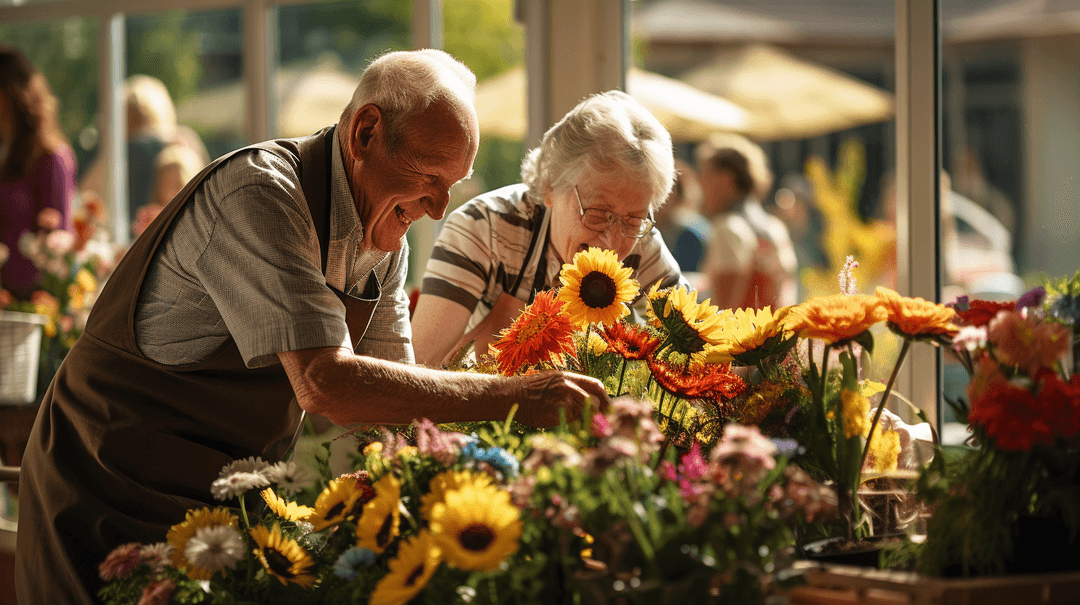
<point x="816" y="83"/>
<point x="1011" y="148"/>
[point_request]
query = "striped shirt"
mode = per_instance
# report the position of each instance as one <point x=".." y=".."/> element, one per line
<point x="481" y="253"/>
<point x="242" y="259"/>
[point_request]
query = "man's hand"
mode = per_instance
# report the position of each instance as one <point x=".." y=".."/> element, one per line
<point x="544" y="394"/>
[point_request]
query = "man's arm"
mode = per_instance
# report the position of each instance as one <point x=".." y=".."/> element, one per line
<point x="354" y="389"/>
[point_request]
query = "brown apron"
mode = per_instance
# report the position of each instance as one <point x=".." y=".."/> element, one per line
<point x="124" y="446"/>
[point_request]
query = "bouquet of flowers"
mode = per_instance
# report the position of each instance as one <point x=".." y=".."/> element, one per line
<point x="1018" y="485"/>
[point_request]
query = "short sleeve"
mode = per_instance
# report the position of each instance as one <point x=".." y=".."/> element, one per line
<point x="731" y="247"/>
<point x="462" y="259"/>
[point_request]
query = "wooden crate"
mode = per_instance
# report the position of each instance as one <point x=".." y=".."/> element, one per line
<point x="843" y="585"/>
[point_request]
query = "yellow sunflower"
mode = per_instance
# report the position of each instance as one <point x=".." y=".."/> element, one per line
<point x="290" y="511"/>
<point x="689" y="326"/>
<point x="476" y="526"/>
<point x="595" y="287"/>
<point x="916" y="317"/>
<point x="283" y="557"/>
<point x="335" y="504"/>
<point x="410" y="570"/>
<point x="445" y="482"/>
<point x="381" y="518"/>
<point x="195" y="520"/>
<point x="750" y="335"/>
<point x="836" y="317"/>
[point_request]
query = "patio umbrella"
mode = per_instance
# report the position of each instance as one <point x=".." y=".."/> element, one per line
<point x="790" y="98"/>
<point x="688" y="113"/>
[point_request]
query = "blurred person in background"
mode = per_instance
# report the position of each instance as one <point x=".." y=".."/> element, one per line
<point x="595" y="180"/>
<point x="679" y="220"/>
<point x="795" y="204"/>
<point x="750" y="260"/>
<point x="151" y="127"/>
<point x="37" y="166"/>
<point x="174" y="166"/>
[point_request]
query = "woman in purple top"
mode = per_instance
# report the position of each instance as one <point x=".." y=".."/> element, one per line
<point x="37" y="166"/>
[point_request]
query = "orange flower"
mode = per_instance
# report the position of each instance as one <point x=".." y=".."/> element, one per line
<point x="836" y="317"/>
<point x="916" y="317"/>
<point x="630" y="341"/>
<point x="542" y="332"/>
<point x="709" y="381"/>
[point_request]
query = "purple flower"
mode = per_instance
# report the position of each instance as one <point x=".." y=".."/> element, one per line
<point x="1033" y="298"/>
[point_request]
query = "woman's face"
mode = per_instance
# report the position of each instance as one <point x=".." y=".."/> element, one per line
<point x="625" y="198"/>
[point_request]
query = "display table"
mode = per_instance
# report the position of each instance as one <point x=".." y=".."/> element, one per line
<point x="838" y="584"/>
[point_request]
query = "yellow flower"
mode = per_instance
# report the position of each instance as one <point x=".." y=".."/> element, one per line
<point x="195" y="520"/>
<point x="408" y="450"/>
<point x="595" y="287"/>
<point x="690" y="326"/>
<point x="884" y="450"/>
<point x="836" y="317"/>
<point x="476" y="526"/>
<point x="765" y="400"/>
<point x="381" y="518"/>
<point x="410" y="570"/>
<point x="86" y="280"/>
<point x="596" y="344"/>
<point x="916" y="317"/>
<point x="855" y="407"/>
<point x="448" y="481"/>
<point x="375" y="447"/>
<point x="290" y="511"/>
<point x="335" y="504"/>
<point x="745" y="331"/>
<point x="283" y="557"/>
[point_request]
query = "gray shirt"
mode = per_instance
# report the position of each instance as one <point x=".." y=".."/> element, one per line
<point x="242" y="259"/>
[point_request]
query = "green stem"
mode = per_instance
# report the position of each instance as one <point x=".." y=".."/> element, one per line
<point x="884" y="398"/>
<point x="622" y="373"/>
<point x="243" y="513"/>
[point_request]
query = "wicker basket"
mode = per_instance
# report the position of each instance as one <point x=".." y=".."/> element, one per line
<point x="20" y="346"/>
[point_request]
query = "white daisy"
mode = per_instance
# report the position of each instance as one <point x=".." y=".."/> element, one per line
<point x="251" y="464"/>
<point x="289" y="475"/>
<point x="236" y="484"/>
<point x="215" y="548"/>
<point x="157" y="556"/>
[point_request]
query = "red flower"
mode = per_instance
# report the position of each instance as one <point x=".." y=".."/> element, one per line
<point x="631" y="341"/>
<point x="711" y="381"/>
<point x="980" y="312"/>
<point x="542" y="332"/>
<point x="1017" y="417"/>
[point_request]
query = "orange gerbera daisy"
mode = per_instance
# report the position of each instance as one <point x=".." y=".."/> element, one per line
<point x="708" y="381"/>
<point x="630" y="341"/>
<point x="542" y="332"/>
<point x="916" y="317"/>
<point x="836" y="317"/>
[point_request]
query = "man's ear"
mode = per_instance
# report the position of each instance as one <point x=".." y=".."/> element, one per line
<point x="366" y="126"/>
<point x="547" y="196"/>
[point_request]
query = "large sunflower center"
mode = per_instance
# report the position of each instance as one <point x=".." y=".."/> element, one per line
<point x="476" y="537"/>
<point x="334" y="511"/>
<point x="531" y="328"/>
<point x="598" y="290"/>
<point x="383" y="537"/>
<point x="278" y="562"/>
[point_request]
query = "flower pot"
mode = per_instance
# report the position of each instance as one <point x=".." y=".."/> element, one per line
<point x="861" y="552"/>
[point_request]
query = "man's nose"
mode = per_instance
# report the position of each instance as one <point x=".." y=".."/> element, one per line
<point x="435" y="205"/>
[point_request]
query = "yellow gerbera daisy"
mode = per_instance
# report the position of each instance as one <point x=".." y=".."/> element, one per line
<point x="916" y="317"/>
<point x="410" y="570"/>
<point x="690" y="326"/>
<point x="283" y="557"/>
<point x="595" y="287"/>
<point x="447" y="481"/>
<point x="290" y="511"/>
<point x="335" y="504"/>
<point x="476" y="526"/>
<point x="836" y="317"/>
<point x="381" y="518"/>
<point x="195" y="520"/>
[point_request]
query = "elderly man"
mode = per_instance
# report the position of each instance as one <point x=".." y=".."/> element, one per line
<point x="277" y="271"/>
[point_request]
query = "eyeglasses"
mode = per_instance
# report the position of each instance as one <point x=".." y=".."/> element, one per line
<point x="599" y="220"/>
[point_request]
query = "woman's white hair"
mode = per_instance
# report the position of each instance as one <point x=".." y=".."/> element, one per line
<point x="403" y="83"/>
<point x="608" y="136"/>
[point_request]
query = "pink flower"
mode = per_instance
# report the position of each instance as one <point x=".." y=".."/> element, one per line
<point x="601" y="427"/>
<point x="50" y="218"/>
<point x="747" y="442"/>
<point x="693" y="466"/>
<point x="120" y="562"/>
<point x="158" y="593"/>
<point x="430" y="441"/>
<point x="6" y="299"/>
<point x="1027" y="342"/>
<point x="667" y="471"/>
<point x="60" y="242"/>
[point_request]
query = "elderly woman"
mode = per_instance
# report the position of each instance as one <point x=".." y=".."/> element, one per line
<point x="596" y="179"/>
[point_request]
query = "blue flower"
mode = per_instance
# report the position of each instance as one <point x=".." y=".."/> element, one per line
<point x="348" y="564"/>
<point x="495" y="456"/>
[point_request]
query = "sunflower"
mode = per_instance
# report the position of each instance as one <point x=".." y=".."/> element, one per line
<point x="837" y="317"/>
<point x="447" y="481"/>
<point x="689" y="326"/>
<point x="476" y="526"/>
<point x="180" y="534"/>
<point x="595" y="287"/>
<point x="751" y="335"/>
<point x="380" y="519"/>
<point x="629" y="340"/>
<point x="916" y="317"/>
<point x="707" y="381"/>
<point x="410" y="570"/>
<point x="283" y="557"/>
<point x="542" y="332"/>
<point x="290" y="511"/>
<point x="336" y="503"/>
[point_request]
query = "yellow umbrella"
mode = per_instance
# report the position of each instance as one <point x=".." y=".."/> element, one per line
<point x="688" y="113"/>
<point x="790" y="98"/>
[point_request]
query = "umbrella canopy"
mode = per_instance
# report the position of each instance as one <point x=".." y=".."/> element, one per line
<point x="790" y="98"/>
<point x="688" y="113"/>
